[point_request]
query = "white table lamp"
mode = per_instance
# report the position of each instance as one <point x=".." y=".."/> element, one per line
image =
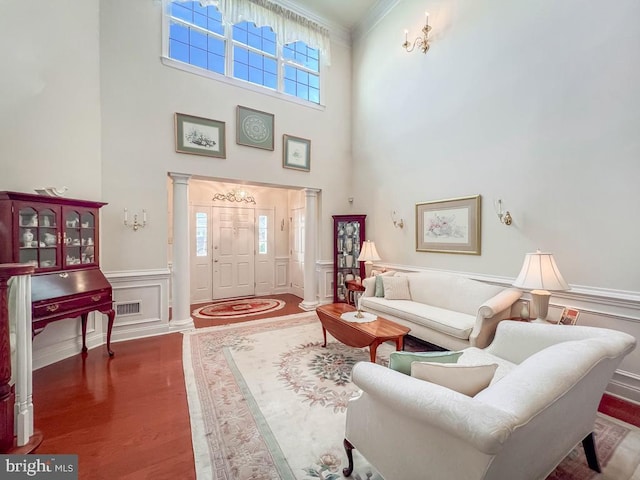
<point x="368" y="255"/>
<point x="540" y="274"/>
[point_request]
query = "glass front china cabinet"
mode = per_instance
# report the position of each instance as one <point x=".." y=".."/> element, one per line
<point x="349" y="234"/>
<point x="59" y="236"/>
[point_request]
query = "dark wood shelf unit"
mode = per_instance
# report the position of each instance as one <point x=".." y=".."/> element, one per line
<point x="59" y="237"/>
<point x="348" y="236"/>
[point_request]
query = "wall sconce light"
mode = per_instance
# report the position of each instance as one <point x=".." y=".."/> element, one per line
<point x="135" y="225"/>
<point x="423" y="41"/>
<point x="503" y="217"/>
<point x="397" y="223"/>
<point x="239" y="196"/>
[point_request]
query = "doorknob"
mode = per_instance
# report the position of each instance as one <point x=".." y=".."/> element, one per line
<point x="215" y="261"/>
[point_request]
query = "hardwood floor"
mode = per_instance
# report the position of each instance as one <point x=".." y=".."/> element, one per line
<point x="127" y="417"/>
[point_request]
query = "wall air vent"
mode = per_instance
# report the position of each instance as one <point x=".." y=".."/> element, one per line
<point x="128" y="308"/>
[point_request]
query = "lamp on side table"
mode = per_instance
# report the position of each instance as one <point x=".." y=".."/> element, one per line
<point x="540" y="274"/>
<point x="368" y="255"/>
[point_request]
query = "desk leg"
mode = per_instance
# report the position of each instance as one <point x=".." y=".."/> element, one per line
<point x="112" y="315"/>
<point x="83" y="319"/>
<point x="324" y="334"/>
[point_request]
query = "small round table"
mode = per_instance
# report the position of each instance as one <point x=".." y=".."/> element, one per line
<point x="353" y="289"/>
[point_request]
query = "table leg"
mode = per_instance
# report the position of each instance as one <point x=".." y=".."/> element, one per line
<point x="324" y="334"/>
<point x="372" y="350"/>
<point x="400" y="343"/>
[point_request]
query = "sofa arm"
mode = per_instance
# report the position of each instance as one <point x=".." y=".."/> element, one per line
<point x="369" y="285"/>
<point x="502" y="301"/>
<point x="482" y="426"/>
<point x="490" y="313"/>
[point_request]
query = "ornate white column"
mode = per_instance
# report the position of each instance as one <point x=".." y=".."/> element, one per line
<point x="180" y="291"/>
<point x="20" y="320"/>
<point x="310" y="301"/>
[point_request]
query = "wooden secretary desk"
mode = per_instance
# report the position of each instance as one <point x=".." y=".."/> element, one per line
<point x="60" y="238"/>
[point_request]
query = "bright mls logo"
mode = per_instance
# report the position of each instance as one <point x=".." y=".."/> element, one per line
<point x="49" y="467"/>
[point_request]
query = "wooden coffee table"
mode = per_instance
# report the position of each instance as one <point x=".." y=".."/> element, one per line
<point x="370" y="334"/>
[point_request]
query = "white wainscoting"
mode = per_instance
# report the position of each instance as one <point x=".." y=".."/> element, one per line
<point x="599" y="307"/>
<point x="324" y="271"/>
<point x="281" y="275"/>
<point x="147" y="288"/>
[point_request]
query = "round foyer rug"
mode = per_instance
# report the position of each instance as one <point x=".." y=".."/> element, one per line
<point x="238" y="308"/>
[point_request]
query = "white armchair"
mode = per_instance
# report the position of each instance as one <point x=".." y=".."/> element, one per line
<point x="541" y="403"/>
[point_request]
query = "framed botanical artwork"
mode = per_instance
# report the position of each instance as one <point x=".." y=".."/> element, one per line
<point x="296" y="153"/>
<point x="254" y="128"/>
<point x="200" y="136"/>
<point x="449" y="226"/>
<point x="569" y="316"/>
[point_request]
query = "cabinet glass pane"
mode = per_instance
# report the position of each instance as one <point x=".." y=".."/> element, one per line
<point x="28" y="236"/>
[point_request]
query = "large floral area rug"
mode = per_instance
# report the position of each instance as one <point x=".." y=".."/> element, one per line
<point x="268" y="402"/>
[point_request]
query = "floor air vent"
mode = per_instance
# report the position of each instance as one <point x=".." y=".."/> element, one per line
<point x="129" y="308"/>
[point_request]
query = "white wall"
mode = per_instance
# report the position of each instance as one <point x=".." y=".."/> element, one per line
<point x="50" y="97"/>
<point x="50" y="120"/>
<point x="536" y="103"/>
<point x="85" y="102"/>
<point x="139" y="98"/>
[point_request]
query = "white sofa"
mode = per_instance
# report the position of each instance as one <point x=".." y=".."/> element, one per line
<point x="445" y="309"/>
<point x="540" y="404"/>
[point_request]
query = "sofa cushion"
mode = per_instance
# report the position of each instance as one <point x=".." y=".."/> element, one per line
<point x="379" y="290"/>
<point x="401" y="361"/>
<point x="379" y="286"/>
<point x="396" y="288"/>
<point x="466" y="379"/>
<point x="455" y="324"/>
<point x="449" y="291"/>
<point x="478" y="356"/>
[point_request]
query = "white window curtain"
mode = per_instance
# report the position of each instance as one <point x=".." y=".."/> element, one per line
<point x="289" y="26"/>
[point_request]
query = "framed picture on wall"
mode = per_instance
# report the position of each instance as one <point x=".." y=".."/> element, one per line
<point x="200" y="136"/>
<point x="569" y="316"/>
<point x="254" y="128"/>
<point x="449" y="226"/>
<point x="296" y="153"/>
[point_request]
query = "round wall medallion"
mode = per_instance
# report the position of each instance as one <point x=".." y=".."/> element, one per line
<point x="255" y="128"/>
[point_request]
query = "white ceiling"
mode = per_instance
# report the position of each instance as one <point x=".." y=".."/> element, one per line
<point x="346" y="13"/>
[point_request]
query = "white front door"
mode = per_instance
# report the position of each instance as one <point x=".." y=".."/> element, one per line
<point x="233" y="252"/>
<point x="296" y="240"/>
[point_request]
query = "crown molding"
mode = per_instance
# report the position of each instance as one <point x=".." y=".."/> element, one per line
<point x="372" y="18"/>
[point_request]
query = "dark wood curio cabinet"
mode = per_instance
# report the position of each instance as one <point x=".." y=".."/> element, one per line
<point x="348" y="236"/>
<point x="59" y="237"/>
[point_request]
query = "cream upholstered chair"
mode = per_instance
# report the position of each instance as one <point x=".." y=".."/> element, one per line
<point x="535" y="411"/>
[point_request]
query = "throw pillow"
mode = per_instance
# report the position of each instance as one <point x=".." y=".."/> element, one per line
<point x="379" y="290"/>
<point x="396" y="288"/>
<point x="401" y="361"/>
<point x="466" y="379"/>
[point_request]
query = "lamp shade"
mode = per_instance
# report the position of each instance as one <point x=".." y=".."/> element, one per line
<point x="368" y="252"/>
<point x="540" y="272"/>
